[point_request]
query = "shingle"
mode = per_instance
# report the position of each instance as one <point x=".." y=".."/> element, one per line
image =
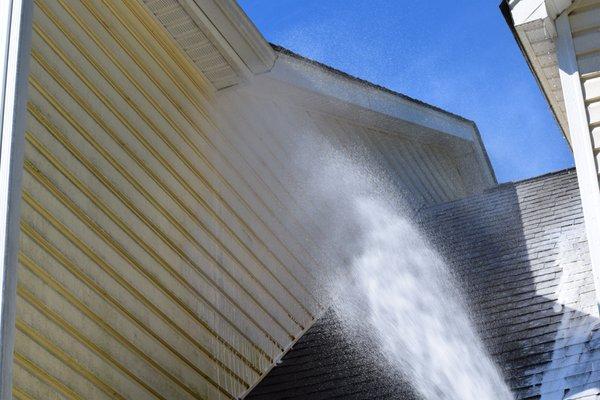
<point x="510" y="248"/>
<point x="326" y="364"/>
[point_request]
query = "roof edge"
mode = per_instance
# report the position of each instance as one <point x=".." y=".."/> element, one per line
<point x="431" y="122"/>
<point x="288" y="52"/>
<point x="289" y="347"/>
<point x="240" y="33"/>
<point x="502" y="186"/>
<point x="532" y="179"/>
<point x="508" y="17"/>
<point x="484" y="154"/>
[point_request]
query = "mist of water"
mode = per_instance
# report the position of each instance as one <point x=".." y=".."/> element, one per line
<point x="403" y="290"/>
<point x="388" y="280"/>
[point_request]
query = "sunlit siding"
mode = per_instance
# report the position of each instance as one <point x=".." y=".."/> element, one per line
<point x="151" y="265"/>
<point x="585" y="27"/>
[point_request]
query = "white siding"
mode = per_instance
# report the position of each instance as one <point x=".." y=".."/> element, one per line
<point x="585" y="26"/>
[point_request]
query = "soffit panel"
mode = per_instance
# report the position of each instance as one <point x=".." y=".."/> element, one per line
<point x="217" y="36"/>
<point x="192" y="40"/>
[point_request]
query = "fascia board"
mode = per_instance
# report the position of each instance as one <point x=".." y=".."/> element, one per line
<point x="526" y="11"/>
<point x="325" y="91"/>
<point x="328" y="84"/>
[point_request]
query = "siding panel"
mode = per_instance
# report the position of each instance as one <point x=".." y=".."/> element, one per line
<point x="137" y="276"/>
<point x="585" y="24"/>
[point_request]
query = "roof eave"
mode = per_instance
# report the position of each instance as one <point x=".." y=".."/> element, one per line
<point x="378" y="106"/>
<point x="523" y="18"/>
<point x="239" y="34"/>
<point x="233" y="49"/>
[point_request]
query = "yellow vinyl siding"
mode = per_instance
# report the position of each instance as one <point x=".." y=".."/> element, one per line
<point x="144" y="267"/>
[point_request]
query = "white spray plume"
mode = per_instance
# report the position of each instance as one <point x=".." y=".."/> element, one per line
<point x="387" y="280"/>
<point x="404" y="291"/>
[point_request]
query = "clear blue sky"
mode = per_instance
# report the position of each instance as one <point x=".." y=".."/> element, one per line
<point x="458" y="55"/>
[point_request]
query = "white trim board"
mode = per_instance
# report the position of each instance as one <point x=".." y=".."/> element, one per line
<point x="325" y="90"/>
<point x="237" y="31"/>
<point x="534" y="27"/>
<point x="317" y="80"/>
<point x="581" y="142"/>
<point x="524" y="11"/>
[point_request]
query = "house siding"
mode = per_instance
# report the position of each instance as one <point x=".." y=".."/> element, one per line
<point x="163" y="253"/>
<point x="585" y="23"/>
<point x="133" y="272"/>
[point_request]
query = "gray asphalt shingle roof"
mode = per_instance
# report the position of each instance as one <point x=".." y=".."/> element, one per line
<point x="520" y="252"/>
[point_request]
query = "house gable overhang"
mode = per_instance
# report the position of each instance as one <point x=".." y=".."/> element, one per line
<point x="533" y="25"/>
<point x="217" y="36"/>
<point x="332" y="91"/>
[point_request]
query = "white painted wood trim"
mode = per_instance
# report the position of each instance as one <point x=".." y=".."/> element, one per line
<point x="14" y="67"/>
<point x="525" y="11"/>
<point x="315" y="78"/>
<point x="581" y="142"/>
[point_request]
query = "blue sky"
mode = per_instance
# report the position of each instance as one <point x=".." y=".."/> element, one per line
<point x="458" y="55"/>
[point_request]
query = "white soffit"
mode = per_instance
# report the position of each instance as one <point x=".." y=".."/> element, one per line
<point x="217" y="36"/>
<point x="535" y="29"/>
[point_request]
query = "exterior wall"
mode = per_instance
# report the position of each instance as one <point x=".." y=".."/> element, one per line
<point x="577" y="53"/>
<point x="585" y="22"/>
<point x="15" y="25"/>
<point x="135" y="280"/>
<point x="157" y="255"/>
